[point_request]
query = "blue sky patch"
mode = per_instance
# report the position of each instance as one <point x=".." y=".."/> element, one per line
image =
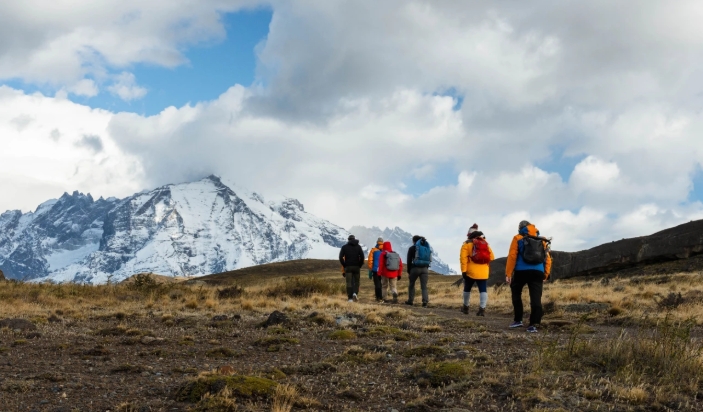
<point x="211" y="70"/>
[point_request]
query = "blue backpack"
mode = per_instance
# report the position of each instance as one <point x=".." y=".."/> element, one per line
<point x="423" y="253"/>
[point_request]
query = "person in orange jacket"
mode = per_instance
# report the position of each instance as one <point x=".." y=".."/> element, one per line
<point x="390" y="268"/>
<point x="374" y="256"/>
<point x="475" y="257"/>
<point x="529" y="263"/>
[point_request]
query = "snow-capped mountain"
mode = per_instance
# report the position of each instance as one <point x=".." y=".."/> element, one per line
<point x="188" y="229"/>
<point x="401" y="241"/>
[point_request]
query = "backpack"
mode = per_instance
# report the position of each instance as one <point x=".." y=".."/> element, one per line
<point x="534" y="251"/>
<point x="423" y="253"/>
<point x="392" y="261"/>
<point x="480" y="253"/>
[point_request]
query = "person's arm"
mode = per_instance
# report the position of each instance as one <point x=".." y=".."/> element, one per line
<point x="381" y="264"/>
<point x="548" y="266"/>
<point x="371" y="258"/>
<point x="341" y="256"/>
<point x="400" y="269"/>
<point x="493" y="257"/>
<point x="464" y="256"/>
<point x="512" y="259"/>
<point x="361" y="257"/>
<point x="411" y="256"/>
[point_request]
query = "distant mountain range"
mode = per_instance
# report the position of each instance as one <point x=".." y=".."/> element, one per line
<point x="189" y="229"/>
<point x="401" y="241"/>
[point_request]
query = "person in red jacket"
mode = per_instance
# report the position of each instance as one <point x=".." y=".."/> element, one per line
<point x="390" y="268"/>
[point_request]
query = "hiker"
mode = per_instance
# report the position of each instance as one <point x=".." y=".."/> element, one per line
<point x="529" y="263"/>
<point x="374" y="257"/>
<point x="475" y="257"/>
<point x="351" y="256"/>
<point x="390" y="268"/>
<point x="418" y="266"/>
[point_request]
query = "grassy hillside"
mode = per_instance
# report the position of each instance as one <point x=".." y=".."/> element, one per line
<point x="625" y="343"/>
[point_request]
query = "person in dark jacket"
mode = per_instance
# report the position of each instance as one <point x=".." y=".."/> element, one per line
<point x="351" y="256"/>
<point x="415" y="273"/>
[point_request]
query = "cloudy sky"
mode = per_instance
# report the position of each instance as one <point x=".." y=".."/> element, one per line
<point x="583" y="117"/>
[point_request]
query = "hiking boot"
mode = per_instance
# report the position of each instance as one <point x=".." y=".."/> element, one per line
<point x="395" y="298"/>
<point x="407" y="302"/>
<point x="350" y="300"/>
<point x="355" y="298"/>
<point x="532" y="329"/>
<point x="481" y="312"/>
<point x="464" y="309"/>
<point x="516" y="325"/>
<point x="424" y="304"/>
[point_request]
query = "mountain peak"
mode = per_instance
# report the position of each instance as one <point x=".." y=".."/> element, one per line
<point x="185" y="229"/>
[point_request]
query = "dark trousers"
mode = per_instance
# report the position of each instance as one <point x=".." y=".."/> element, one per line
<point x="423" y="274"/>
<point x="534" y="279"/>
<point x="377" y="285"/>
<point x="353" y="276"/>
<point x="469" y="284"/>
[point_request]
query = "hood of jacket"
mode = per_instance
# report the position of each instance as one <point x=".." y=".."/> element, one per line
<point x="387" y="247"/>
<point x="529" y="230"/>
<point x="353" y="242"/>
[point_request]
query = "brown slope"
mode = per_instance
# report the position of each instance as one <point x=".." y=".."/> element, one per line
<point x="270" y="271"/>
<point x="674" y="244"/>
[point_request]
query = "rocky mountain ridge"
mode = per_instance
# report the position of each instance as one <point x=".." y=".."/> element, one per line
<point x="188" y="229"/>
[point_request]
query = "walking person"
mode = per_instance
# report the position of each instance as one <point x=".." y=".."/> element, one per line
<point x="390" y="268"/>
<point x="475" y="256"/>
<point x="418" y="266"/>
<point x="374" y="257"/>
<point x="351" y="256"/>
<point x="529" y="263"/>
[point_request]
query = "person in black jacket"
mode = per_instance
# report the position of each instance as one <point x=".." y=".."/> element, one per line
<point x="415" y="272"/>
<point x="351" y="256"/>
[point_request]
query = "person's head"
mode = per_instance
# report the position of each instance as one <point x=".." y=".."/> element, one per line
<point x="475" y="234"/>
<point x="522" y="225"/>
<point x="351" y="237"/>
<point x="379" y="241"/>
<point x="416" y="238"/>
<point x="472" y="229"/>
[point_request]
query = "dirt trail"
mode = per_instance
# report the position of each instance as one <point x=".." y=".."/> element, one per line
<point x="501" y="320"/>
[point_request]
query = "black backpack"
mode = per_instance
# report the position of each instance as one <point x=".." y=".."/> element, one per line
<point x="534" y="250"/>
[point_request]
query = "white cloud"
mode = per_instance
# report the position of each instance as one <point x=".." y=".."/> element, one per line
<point x="61" y="42"/>
<point x="59" y="150"/>
<point x="84" y="87"/>
<point x="125" y="86"/>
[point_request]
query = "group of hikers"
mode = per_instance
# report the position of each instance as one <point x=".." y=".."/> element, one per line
<point x="528" y="263"/>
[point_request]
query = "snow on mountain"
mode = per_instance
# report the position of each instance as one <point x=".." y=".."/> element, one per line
<point x="188" y="229"/>
<point x="401" y="241"/>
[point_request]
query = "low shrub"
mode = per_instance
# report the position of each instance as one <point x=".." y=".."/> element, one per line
<point x="239" y="386"/>
<point x="342" y="334"/>
<point x="300" y="287"/>
<point x="232" y="292"/>
<point x="438" y="374"/>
